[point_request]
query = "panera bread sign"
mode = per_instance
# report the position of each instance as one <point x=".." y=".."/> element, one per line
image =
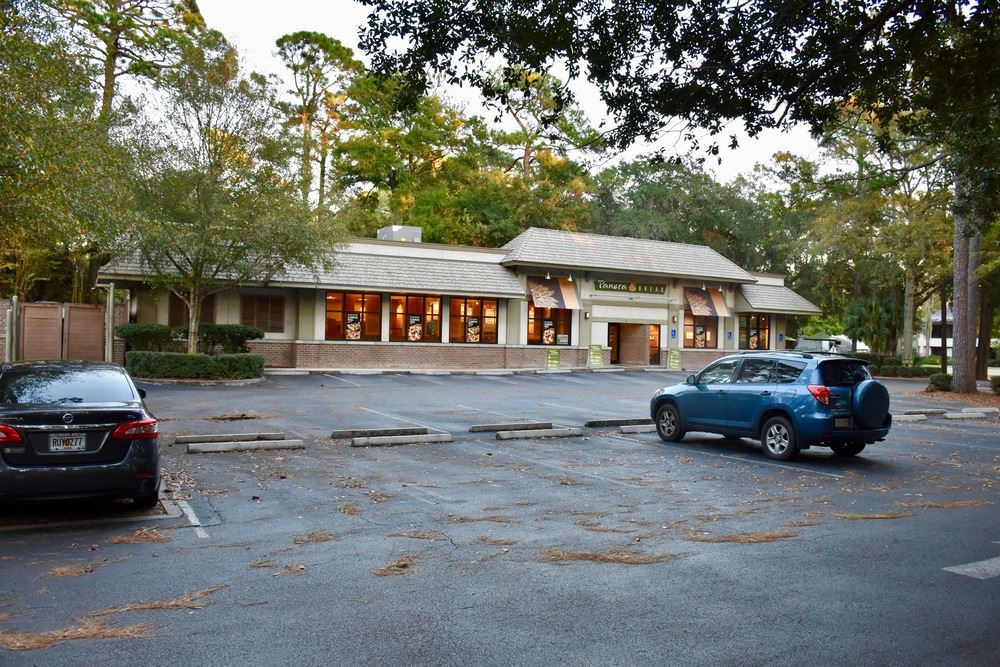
<point x="629" y="286"/>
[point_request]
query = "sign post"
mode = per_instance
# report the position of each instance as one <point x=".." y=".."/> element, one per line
<point x="551" y="359"/>
<point x="596" y="356"/>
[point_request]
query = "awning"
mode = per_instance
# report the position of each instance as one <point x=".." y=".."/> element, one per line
<point x="553" y="293"/>
<point x="706" y="302"/>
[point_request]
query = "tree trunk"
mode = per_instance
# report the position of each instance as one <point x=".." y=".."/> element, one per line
<point x="110" y="64"/>
<point x="193" y="301"/>
<point x="908" y="318"/>
<point x="964" y="346"/>
<point x="306" y="157"/>
<point x="944" y="328"/>
<point x="987" y="308"/>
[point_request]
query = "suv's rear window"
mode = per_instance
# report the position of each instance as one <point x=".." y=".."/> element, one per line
<point x="54" y="386"/>
<point x="844" y="372"/>
<point x="787" y="372"/>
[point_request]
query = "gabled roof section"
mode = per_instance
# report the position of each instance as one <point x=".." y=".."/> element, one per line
<point x="595" y="252"/>
<point x="777" y="299"/>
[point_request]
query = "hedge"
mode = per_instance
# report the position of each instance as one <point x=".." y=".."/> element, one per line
<point x="199" y="366"/>
<point x="147" y="337"/>
<point x="230" y="338"/>
<point x="940" y="382"/>
<point x="995" y="383"/>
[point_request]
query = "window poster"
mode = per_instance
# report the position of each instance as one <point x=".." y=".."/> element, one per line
<point x="548" y="332"/>
<point x="415" y="328"/>
<point x="353" y="326"/>
<point x="472" y="330"/>
<point x="699" y="336"/>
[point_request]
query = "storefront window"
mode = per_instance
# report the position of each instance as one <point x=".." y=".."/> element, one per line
<point x="549" y="326"/>
<point x="415" y="318"/>
<point x="700" y="331"/>
<point x="266" y="311"/>
<point x="473" y="320"/>
<point x="755" y="331"/>
<point x="353" y="316"/>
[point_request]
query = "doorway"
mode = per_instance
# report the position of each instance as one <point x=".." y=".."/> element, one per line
<point x="654" y="345"/>
<point x="614" y="342"/>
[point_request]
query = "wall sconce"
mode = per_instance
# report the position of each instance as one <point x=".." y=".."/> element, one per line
<point x="547" y="276"/>
<point x="571" y="277"/>
<point x="586" y="315"/>
<point x="703" y="287"/>
<point x="674" y="319"/>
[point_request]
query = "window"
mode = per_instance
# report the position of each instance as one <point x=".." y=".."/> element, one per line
<point x="415" y="318"/>
<point x="700" y="330"/>
<point x="755" y="371"/>
<point x="178" y="311"/>
<point x="549" y="326"/>
<point x="787" y="372"/>
<point x="473" y="320"/>
<point x="719" y="373"/>
<point x="754" y="331"/>
<point x="266" y="311"/>
<point x="844" y="373"/>
<point x="353" y="316"/>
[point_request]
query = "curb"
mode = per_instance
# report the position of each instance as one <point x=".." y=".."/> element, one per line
<point x="639" y="428"/>
<point x="540" y="433"/>
<point x="344" y="434"/>
<point x="227" y="437"/>
<point x="514" y="426"/>
<point x="389" y="440"/>
<point x="909" y="418"/>
<point x="597" y="423"/>
<point x="250" y="446"/>
<point x="199" y="383"/>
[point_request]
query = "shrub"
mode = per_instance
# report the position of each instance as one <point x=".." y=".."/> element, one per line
<point x="940" y="382"/>
<point x="147" y="337"/>
<point x="230" y="338"/>
<point x="890" y="371"/>
<point x="995" y="383"/>
<point x="200" y="366"/>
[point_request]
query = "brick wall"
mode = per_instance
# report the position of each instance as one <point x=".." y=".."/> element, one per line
<point x="4" y="305"/>
<point x="327" y="354"/>
<point x="634" y="350"/>
<point x="695" y="360"/>
<point x="120" y="317"/>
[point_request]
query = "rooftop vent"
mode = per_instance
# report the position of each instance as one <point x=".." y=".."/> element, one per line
<point x="400" y="233"/>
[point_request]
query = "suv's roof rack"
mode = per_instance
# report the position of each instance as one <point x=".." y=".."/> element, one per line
<point x="804" y="355"/>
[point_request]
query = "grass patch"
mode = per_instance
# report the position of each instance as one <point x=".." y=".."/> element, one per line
<point x="871" y="517"/>
<point x="142" y="535"/>
<point x="86" y="629"/>
<point x="193" y="600"/>
<point x="314" y="536"/>
<point x="82" y="569"/>
<point x="613" y="556"/>
<point x="494" y="518"/>
<point x="416" y="534"/>
<point x="931" y="505"/>
<point x="402" y="565"/>
<point x="494" y="541"/>
<point x="754" y="537"/>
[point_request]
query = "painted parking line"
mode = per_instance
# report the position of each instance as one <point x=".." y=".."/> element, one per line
<point x="193" y="519"/>
<point x="489" y="412"/>
<point x="562" y="377"/>
<point x="983" y="569"/>
<point x="501" y="380"/>
<point x="404" y="419"/>
<point x="576" y="409"/>
<point x="625" y="378"/>
<point x="337" y="377"/>
<point x="485" y="446"/>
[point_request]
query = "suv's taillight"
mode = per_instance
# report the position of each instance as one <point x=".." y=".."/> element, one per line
<point x="821" y="393"/>
<point x="8" y="435"/>
<point x="143" y="428"/>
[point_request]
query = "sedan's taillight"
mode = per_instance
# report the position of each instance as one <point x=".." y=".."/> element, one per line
<point x="821" y="393"/>
<point x="143" y="428"/>
<point x="8" y="435"/>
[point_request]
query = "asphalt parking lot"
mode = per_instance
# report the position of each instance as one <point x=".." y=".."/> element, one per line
<point x="608" y="548"/>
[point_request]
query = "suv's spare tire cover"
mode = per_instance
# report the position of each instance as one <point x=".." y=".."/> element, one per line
<point x="870" y="403"/>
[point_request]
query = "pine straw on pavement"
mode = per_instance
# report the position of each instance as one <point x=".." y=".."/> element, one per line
<point x="416" y="535"/>
<point x="85" y="629"/>
<point x="456" y="518"/>
<point x="140" y="536"/>
<point x="82" y="569"/>
<point x="872" y="517"/>
<point x="7" y="616"/>
<point x="193" y="600"/>
<point x="494" y="541"/>
<point x="614" y="555"/>
<point x="754" y="537"/>
<point x="402" y="565"/>
<point x="929" y="504"/>
<point x="314" y="536"/>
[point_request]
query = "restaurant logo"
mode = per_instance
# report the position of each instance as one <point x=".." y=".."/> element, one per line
<point x="629" y="286"/>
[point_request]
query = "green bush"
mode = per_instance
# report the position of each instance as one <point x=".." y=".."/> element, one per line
<point x="995" y="383"/>
<point x="230" y="338"/>
<point x="890" y="371"/>
<point x="199" y="366"/>
<point x="147" y="337"/>
<point x="940" y="382"/>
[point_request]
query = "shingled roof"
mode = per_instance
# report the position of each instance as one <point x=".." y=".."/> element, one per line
<point x="777" y="299"/>
<point x="550" y="247"/>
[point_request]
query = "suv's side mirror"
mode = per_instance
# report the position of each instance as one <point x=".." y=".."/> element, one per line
<point x="691" y="380"/>
<point x="142" y="393"/>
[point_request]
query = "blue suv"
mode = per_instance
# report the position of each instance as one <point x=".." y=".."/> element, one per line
<point x="788" y="400"/>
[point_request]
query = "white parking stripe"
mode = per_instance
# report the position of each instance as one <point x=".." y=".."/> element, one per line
<point x="192" y="519"/>
<point x="496" y="379"/>
<point x="570" y="471"/>
<point x="404" y="419"/>
<point x="489" y="412"/>
<point x="337" y="377"/>
<point x="984" y="569"/>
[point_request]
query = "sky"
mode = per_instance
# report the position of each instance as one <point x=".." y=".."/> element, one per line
<point x="254" y="26"/>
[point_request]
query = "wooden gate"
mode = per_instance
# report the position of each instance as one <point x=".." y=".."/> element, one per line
<point x="61" y="331"/>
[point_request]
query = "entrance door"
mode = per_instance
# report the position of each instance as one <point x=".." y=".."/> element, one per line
<point x="614" y="342"/>
<point x="654" y="344"/>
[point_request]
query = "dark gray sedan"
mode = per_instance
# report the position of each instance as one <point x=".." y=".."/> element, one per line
<point x="75" y="430"/>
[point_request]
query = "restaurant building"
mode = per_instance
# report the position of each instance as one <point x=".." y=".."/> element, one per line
<point x="548" y="298"/>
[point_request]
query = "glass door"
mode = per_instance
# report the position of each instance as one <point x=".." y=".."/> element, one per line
<point x="614" y="341"/>
<point x="654" y="344"/>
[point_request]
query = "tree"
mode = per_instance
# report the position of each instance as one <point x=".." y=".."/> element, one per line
<point x="221" y="208"/>
<point x="321" y="69"/>
<point x="63" y="187"/>
<point x="930" y="64"/>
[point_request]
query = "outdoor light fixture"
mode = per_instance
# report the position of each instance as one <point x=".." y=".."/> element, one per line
<point x="571" y="277"/>
<point x="547" y="276"/>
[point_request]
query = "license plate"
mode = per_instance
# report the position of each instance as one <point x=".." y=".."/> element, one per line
<point x="68" y="442"/>
<point x="842" y="422"/>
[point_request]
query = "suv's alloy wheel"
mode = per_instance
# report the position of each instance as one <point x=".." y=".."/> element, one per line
<point x="778" y="438"/>
<point x="668" y="423"/>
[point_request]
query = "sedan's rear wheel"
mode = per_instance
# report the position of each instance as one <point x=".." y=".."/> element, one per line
<point x="668" y="423"/>
<point x="146" y="501"/>
<point x="778" y="438"/>
<point x="848" y="448"/>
